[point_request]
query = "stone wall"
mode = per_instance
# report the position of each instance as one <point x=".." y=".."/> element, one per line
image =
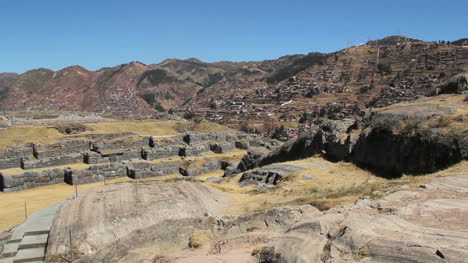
<point x="12" y="157"/>
<point x="207" y="167"/>
<point x="194" y="150"/>
<point x="115" y="155"/>
<point x="111" y="156"/>
<point x="64" y="147"/>
<point x="96" y="173"/>
<point x="30" y="179"/>
<point x="222" y="147"/>
<point x="139" y="170"/>
<point x="52" y="161"/>
<point x="160" y="152"/>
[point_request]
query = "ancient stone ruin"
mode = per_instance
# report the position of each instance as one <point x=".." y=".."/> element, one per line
<point x="99" y="157"/>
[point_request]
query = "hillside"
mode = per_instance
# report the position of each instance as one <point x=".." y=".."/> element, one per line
<point x="338" y="85"/>
<point x="380" y="73"/>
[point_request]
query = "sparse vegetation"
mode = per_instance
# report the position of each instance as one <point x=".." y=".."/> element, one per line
<point x="156" y="77"/>
<point x="334" y="184"/>
<point x="70" y="128"/>
<point x="188" y="115"/>
<point x="198" y="238"/>
<point x="280" y="134"/>
<point x="297" y="66"/>
<point x="150" y="98"/>
<point x="384" y="69"/>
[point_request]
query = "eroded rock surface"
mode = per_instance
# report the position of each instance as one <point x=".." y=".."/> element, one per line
<point x="106" y="214"/>
<point x="428" y="225"/>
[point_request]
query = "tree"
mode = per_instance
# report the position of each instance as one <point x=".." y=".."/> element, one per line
<point x="322" y="112"/>
<point x="189" y="115"/>
<point x="384" y="69"/>
<point x="213" y="105"/>
<point x="280" y="133"/>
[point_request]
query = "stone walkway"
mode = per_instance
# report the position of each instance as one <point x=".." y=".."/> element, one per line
<point x="28" y="240"/>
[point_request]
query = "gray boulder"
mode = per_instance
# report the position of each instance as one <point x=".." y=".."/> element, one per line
<point x="456" y="85"/>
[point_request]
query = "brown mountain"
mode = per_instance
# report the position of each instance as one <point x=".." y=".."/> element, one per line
<point x="377" y="73"/>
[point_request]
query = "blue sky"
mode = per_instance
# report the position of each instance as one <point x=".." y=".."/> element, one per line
<point x="94" y="34"/>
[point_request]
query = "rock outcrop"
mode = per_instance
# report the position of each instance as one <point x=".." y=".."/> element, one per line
<point x="333" y="139"/>
<point x="268" y="175"/>
<point x="164" y="219"/>
<point x="421" y="137"/>
<point x="456" y="85"/>
<point x="427" y="225"/>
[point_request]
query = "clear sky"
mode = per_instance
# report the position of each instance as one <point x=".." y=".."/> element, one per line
<point x="58" y="33"/>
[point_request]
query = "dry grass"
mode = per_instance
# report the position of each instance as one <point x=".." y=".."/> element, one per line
<point x="335" y="184"/>
<point x="453" y="123"/>
<point x="19" y="135"/>
<point x="198" y="238"/>
<point x="155" y="128"/>
<point x="212" y="174"/>
<point x="198" y="161"/>
<point x="145" y="127"/>
<point x="42" y="134"/>
<point x="12" y="204"/>
<point x="207" y="126"/>
<point x="440" y="102"/>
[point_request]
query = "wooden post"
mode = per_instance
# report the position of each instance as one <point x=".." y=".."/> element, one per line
<point x="75" y="182"/>
<point x="71" y="245"/>
<point x="25" y="211"/>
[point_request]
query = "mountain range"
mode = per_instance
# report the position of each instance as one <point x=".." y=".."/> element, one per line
<point x="363" y="74"/>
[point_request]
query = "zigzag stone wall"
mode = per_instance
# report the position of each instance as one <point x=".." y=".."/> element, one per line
<point x="129" y="155"/>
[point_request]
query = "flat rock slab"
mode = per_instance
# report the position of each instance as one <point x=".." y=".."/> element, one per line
<point x="8" y="260"/>
<point x="280" y="169"/>
<point x="28" y="240"/>
<point x="30" y="254"/>
<point x="33" y="241"/>
<point x="41" y="221"/>
<point x="457" y="184"/>
<point x="10" y="249"/>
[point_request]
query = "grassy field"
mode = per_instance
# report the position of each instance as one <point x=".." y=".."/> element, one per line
<point x="19" y="135"/>
<point x="41" y="134"/>
<point x="139" y="127"/>
<point x="155" y="128"/>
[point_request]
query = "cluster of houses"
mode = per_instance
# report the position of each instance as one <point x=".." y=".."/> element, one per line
<point x="401" y="72"/>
